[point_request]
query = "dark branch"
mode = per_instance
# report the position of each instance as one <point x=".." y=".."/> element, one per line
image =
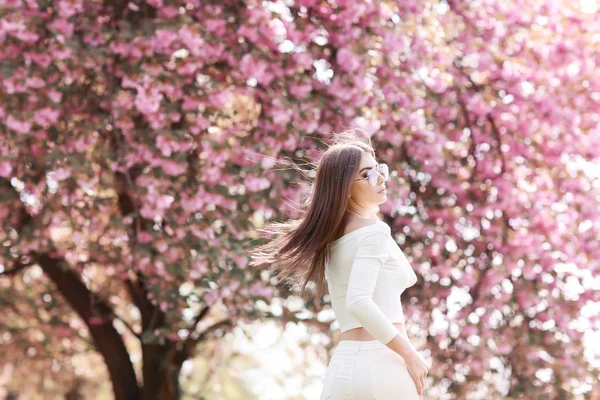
<point x="15" y="270"/>
<point x="496" y="134"/>
<point x="199" y="318"/>
<point x="127" y="325"/>
<point x="189" y="345"/>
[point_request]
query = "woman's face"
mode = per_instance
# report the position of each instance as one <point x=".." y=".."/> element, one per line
<point x="361" y="191"/>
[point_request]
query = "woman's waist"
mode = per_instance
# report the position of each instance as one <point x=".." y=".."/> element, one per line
<point x="361" y="334"/>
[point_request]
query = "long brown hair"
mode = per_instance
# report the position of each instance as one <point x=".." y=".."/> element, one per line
<point x="300" y="247"/>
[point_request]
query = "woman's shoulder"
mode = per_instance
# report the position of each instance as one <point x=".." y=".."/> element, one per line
<point x="356" y="224"/>
<point x="361" y="228"/>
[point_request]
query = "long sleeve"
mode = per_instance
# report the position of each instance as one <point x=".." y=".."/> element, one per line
<point x="373" y="250"/>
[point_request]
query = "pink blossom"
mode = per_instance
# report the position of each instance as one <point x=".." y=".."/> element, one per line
<point x="219" y="99"/>
<point x="300" y="90"/>
<point x="504" y="348"/>
<point x="276" y="27"/>
<point x="229" y="204"/>
<point x="199" y="267"/>
<point x="61" y="53"/>
<point x="46" y="116"/>
<point x="157" y="120"/>
<point x="254" y="184"/>
<point x="5" y="169"/>
<point x="241" y="261"/>
<point x="10" y="87"/>
<point x="148" y="101"/>
<point x="307" y="3"/>
<point x="371" y="126"/>
<point x="144" y="237"/>
<point x="37" y="150"/>
<point x="168" y="12"/>
<point x="63" y="26"/>
<point x="256" y="15"/>
<point x="164" y="201"/>
<point x="22" y="127"/>
<point x="470" y="330"/>
<point x="216" y="26"/>
<point x="41" y="59"/>
<point x="161" y="246"/>
<point x="122" y="49"/>
<point x="191" y="40"/>
<point x="174" y="117"/>
<point x="61" y="174"/>
<point x="173" y="168"/>
<point x="164" y="146"/>
<point x="159" y="268"/>
<point x="211" y="297"/>
<point x="476" y="367"/>
<point x="281" y="116"/>
<point x="267" y="162"/>
<point x="164" y="38"/>
<point x="54" y="95"/>
<point x="212" y="175"/>
<point x="27" y="37"/>
<point x="147" y="211"/>
<point x="12" y="3"/>
<point x="260" y="290"/>
<point x="11" y="27"/>
<point x="214" y="51"/>
<point x="253" y="68"/>
<point x="68" y="8"/>
<point x="347" y="60"/>
<point x="190" y="103"/>
<point x="35" y="82"/>
<point x="478" y="106"/>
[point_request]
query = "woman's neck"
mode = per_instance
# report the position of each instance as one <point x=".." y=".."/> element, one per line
<point x="370" y="217"/>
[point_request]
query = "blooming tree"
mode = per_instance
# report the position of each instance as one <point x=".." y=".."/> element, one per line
<point x="139" y="149"/>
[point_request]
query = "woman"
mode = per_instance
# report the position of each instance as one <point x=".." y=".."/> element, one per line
<point x="340" y="244"/>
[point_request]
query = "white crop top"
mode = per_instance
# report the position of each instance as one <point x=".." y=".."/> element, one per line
<point x="366" y="273"/>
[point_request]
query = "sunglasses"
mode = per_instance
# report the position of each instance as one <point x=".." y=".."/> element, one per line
<point x="371" y="177"/>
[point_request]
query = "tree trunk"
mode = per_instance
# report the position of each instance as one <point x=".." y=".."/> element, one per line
<point x="106" y="338"/>
<point x="75" y="392"/>
<point x="161" y="374"/>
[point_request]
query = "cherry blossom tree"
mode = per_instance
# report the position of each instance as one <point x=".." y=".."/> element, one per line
<point x="140" y="148"/>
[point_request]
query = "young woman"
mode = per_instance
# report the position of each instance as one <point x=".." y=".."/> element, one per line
<point x="341" y="245"/>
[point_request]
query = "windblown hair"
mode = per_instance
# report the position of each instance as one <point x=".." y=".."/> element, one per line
<point x="300" y="247"/>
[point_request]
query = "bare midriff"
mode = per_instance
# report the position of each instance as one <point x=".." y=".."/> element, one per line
<point x="361" y="334"/>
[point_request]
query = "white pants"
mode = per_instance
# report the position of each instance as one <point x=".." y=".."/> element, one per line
<point x="367" y="370"/>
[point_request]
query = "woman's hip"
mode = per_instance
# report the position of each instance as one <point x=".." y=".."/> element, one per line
<point x="361" y="370"/>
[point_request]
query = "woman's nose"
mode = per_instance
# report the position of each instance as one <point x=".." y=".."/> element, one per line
<point x="380" y="178"/>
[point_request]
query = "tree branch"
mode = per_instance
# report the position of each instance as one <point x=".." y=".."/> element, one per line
<point x="187" y="345"/>
<point x="127" y="325"/>
<point x="199" y="318"/>
<point x="19" y="267"/>
<point x="190" y="343"/>
<point x="496" y="134"/>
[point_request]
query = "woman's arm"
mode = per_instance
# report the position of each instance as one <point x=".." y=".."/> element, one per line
<point x="373" y="250"/>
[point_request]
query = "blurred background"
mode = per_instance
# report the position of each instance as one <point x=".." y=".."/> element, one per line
<point x="142" y="143"/>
